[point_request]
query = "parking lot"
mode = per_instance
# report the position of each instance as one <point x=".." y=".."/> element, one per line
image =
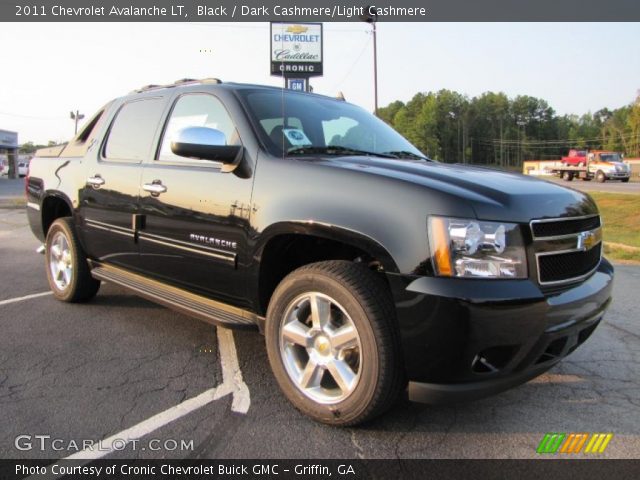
<point x="121" y="368"/>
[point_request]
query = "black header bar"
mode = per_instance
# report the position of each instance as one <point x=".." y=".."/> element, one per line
<point x="318" y="11"/>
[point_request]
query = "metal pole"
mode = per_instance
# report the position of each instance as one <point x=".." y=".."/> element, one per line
<point x="375" y="70"/>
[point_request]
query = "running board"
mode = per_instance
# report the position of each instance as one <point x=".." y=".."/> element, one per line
<point x="178" y="299"/>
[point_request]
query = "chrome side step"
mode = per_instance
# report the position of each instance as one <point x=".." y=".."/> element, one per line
<point x="178" y="299"/>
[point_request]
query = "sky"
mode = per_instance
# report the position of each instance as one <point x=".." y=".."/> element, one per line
<point x="50" y="69"/>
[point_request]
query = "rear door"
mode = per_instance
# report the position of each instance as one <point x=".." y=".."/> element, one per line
<point x="109" y="198"/>
<point x="195" y="217"/>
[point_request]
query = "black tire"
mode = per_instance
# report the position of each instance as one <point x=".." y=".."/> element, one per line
<point x="567" y="176"/>
<point x="367" y="301"/>
<point x="81" y="286"/>
<point x="601" y="177"/>
<point x="624" y="180"/>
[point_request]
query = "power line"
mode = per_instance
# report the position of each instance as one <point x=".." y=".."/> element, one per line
<point x="19" y="115"/>
<point x="558" y="142"/>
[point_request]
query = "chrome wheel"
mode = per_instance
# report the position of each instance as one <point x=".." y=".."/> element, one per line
<point x="60" y="261"/>
<point x="320" y="348"/>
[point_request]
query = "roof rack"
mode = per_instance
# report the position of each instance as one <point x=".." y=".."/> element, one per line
<point x="182" y="81"/>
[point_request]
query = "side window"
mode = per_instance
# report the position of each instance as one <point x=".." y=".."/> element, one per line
<point x="133" y="129"/>
<point x="196" y="110"/>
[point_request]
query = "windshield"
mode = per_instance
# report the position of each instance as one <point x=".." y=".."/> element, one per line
<point x="610" y="157"/>
<point x="291" y="123"/>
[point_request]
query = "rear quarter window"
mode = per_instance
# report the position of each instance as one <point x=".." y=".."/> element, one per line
<point x="132" y="132"/>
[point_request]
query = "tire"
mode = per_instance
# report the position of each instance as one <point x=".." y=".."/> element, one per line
<point x="67" y="268"/>
<point x="567" y="176"/>
<point x="345" y="385"/>
<point x="600" y="176"/>
<point x="624" y="180"/>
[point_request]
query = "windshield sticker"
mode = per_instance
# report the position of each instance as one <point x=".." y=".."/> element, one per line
<point x="296" y="137"/>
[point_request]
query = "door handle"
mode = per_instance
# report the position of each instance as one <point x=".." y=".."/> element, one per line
<point x="155" y="188"/>
<point x="96" y="181"/>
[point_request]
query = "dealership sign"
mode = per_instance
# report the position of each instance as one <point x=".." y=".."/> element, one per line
<point x="296" y="49"/>
<point x="8" y="139"/>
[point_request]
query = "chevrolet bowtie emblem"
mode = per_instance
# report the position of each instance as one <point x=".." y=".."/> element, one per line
<point x="586" y="241"/>
<point x="297" y="29"/>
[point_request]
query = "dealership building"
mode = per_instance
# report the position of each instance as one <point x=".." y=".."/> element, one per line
<point x="8" y="146"/>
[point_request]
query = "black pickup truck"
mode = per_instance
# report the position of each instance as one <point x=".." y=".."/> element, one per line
<point x="370" y="268"/>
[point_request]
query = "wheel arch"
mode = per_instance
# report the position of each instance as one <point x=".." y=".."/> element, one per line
<point x="285" y="246"/>
<point x="54" y="205"/>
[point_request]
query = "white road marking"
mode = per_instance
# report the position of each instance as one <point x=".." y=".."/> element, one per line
<point x="26" y="297"/>
<point x="232" y="383"/>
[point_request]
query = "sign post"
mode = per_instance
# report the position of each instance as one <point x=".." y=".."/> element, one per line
<point x="296" y="53"/>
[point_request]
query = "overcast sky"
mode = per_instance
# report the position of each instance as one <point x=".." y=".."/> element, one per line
<point x="49" y="69"/>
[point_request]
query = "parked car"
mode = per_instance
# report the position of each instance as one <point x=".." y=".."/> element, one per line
<point x="23" y="169"/>
<point x="370" y="268"/>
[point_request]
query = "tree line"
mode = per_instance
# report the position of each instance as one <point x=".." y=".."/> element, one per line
<point x="494" y="129"/>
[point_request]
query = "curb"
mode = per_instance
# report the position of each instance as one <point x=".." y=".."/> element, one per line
<point x="13" y="203"/>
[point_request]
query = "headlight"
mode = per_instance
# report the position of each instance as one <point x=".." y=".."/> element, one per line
<point x="472" y="248"/>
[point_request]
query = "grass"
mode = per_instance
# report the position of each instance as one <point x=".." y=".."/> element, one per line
<point x="621" y="218"/>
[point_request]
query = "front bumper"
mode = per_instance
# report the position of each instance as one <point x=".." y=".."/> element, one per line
<point x="618" y="175"/>
<point x="464" y="339"/>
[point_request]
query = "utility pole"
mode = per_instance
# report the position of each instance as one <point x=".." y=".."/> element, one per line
<point x="368" y="17"/>
<point x="521" y="123"/>
<point x="76" y="116"/>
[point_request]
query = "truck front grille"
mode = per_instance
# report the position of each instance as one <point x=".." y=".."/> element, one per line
<point x="566" y="249"/>
<point x="566" y="266"/>
<point x="553" y="228"/>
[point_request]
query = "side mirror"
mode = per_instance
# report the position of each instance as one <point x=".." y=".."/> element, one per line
<point x="205" y="143"/>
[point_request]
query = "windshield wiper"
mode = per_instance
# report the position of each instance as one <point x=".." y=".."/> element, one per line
<point x="336" y="150"/>
<point x="407" y="154"/>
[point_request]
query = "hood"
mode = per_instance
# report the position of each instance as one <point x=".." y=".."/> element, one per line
<point x="492" y="194"/>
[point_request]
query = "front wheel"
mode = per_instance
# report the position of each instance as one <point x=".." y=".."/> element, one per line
<point x="600" y="176"/>
<point x="67" y="269"/>
<point x="333" y="343"/>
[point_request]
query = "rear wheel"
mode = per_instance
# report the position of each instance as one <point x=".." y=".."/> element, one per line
<point x="332" y="342"/>
<point x="567" y="176"/>
<point x="67" y="269"/>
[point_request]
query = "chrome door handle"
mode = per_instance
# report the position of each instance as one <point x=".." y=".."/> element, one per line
<point x="155" y="188"/>
<point x="96" y="181"/>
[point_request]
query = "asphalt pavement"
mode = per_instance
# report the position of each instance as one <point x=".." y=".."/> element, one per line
<point x="11" y="192"/>
<point x="120" y="365"/>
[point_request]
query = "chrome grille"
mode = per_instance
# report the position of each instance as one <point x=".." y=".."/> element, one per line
<point x="566" y="249"/>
